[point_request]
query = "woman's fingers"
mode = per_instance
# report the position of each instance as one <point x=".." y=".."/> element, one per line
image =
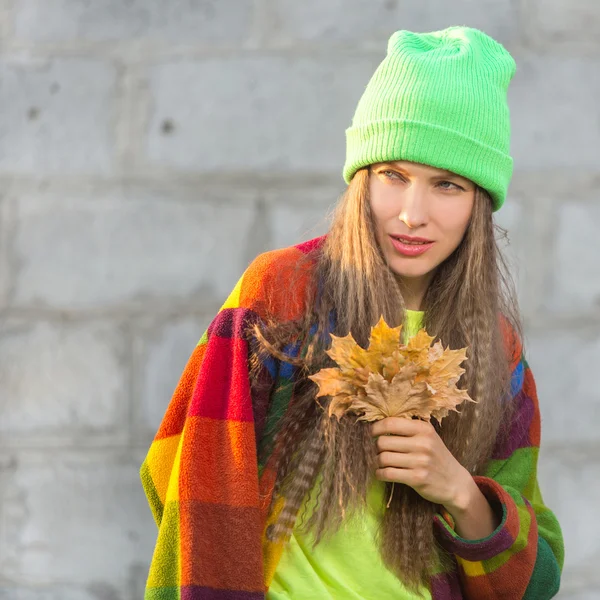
<point x="401" y="460"/>
<point x="400" y="426"/>
<point x="398" y="443"/>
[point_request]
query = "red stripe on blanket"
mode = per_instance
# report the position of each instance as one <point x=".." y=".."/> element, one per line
<point x="223" y="388"/>
<point x="216" y="463"/>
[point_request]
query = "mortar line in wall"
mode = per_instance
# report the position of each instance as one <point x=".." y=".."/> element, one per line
<point x="132" y="373"/>
<point x="6" y="24"/>
<point x="132" y="120"/>
<point x="170" y="308"/>
<point x="261" y="15"/>
<point x="549" y="448"/>
<point x="151" y="175"/>
<point x="172" y="180"/>
<point x="9" y="227"/>
<point x="66" y="447"/>
<point x="150" y="52"/>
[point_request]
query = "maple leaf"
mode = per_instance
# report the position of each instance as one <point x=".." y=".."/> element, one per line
<point x="391" y="379"/>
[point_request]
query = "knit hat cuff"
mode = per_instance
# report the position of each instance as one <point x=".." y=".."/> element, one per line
<point x="402" y="139"/>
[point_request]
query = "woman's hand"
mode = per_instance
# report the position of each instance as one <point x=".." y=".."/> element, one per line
<point x="416" y="455"/>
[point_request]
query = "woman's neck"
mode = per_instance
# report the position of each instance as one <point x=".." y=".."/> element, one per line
<point x="413" y="290"/>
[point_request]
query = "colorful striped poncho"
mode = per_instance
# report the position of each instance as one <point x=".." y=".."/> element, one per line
<point x="208" y="475"/>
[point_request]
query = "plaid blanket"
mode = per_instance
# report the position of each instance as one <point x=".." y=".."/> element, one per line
<point x="208" y="479"/>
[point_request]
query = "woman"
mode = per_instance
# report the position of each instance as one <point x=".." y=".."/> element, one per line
<point x="256" y="492"/>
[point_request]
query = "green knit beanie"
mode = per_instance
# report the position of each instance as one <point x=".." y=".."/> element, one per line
<point x="439" y="99"/>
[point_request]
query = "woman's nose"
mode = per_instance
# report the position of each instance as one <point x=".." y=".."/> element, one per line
<point x="413" y="211"/>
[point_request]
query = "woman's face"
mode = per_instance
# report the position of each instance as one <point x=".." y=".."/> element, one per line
<point x="413" y="199"/>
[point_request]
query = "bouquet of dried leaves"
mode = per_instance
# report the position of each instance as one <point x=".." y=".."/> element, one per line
<point x="390" y="379"/>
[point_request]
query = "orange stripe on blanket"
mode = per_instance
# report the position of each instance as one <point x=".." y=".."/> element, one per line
<point x="512" y="344"/>
<point x="275" y="286"/>
<point x="512" y="519"/>
<point x="174" y="418"/>
<point x="217" y="464"/>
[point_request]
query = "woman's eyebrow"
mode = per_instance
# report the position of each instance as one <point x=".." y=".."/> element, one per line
<point x="441" y="173"/>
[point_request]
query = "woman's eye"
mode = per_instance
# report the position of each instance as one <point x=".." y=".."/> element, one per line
<point x="393" y="175"/>
<point x="457" y="187"/>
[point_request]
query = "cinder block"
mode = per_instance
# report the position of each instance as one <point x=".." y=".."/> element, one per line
<point x="351" y="22"/>
<point x="76" y="518"/>
<point x="180" y="21"/>
<point x="274" y="115"/>
<point x="510" y="217"/>
<point x="57" y="116"/>
<point x="294" y="224"/>
<point x="553" y="104"/>
<point x="65" y="382"/>
<point x="556" y="26"/>
<point x="298" y="214"/>
<point x="6" y="271"/>
<point x="565" y="365"/>
<point x="575" y="280"/>
<point x="129" y="247"/>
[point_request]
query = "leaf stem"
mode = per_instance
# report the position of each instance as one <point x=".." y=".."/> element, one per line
<point x="391" y="494"/>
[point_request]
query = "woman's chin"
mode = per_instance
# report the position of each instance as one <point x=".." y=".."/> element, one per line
<point x="412" y="267"/>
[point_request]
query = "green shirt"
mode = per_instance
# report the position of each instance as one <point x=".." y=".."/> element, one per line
<point x="347" y="565"/>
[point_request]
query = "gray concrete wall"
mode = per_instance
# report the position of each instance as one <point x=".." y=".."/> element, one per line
<point x="149" y="149"/>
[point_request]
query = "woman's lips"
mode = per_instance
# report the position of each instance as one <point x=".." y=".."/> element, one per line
<point x="410" y="249"/>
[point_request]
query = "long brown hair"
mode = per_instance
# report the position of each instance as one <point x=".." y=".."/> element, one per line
<point x="465" y="303"/>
